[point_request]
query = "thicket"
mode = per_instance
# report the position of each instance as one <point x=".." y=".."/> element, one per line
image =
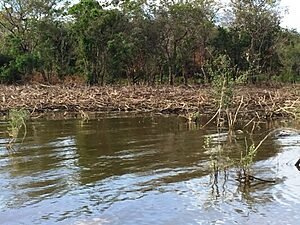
<point x="146" y="42"/>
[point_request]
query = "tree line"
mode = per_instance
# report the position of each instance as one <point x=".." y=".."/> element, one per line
<point x="146" y="41"/>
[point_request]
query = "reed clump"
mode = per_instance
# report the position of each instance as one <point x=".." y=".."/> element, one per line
<point x="16" y="122"/>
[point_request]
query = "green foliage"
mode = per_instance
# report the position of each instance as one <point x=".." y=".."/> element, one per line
<point x="289" y="55"/>
<point x="94" y="29"/>
<point x="247" y="160"/>
<point x="16" y="121"/>
<point x="9" y="74"/>
<point x="147" y="41"/>
<point x="230" y="42"/>
<point x="121" y="52"/>
<point x="26" y="63"/>
<point x="4" y="60"/>
<point x="223" y="82"/>
<point x="220" y="162"/>
<point x="223" y="86"/>
<point x="19" y="68"/>
<point x="257" y="26"/>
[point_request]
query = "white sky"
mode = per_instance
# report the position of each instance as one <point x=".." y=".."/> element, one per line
<point x="292" y="19"/>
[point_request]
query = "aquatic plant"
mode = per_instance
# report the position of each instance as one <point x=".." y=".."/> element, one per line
<point x="223" y="85"/>
<point x="246" y="161"/>
<point x="220" y="162"/>
<point x="84" y="116"/>
<point x="193" y="117"/>
<point x="16" y="121"/>
<point x="223" y="91"/>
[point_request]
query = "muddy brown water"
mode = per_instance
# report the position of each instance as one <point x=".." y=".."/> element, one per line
<point x="144" y="170"/>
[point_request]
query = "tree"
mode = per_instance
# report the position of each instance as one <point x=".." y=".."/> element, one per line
<point x="257" y="22"/>
<point x="289" y="54"/>
<point x="54" y="47"/>
<point x="93" y="28"/>
<point x="18" y="18"/>
<point x="20" y="21"/>
<point x="185" y="28"/>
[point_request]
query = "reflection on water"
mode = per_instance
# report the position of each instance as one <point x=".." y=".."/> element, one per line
<point x="143" y="170"/>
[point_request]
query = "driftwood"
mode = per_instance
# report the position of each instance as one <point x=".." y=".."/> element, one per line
<point x="298" y="164"/>
<point x="258" y="102"/>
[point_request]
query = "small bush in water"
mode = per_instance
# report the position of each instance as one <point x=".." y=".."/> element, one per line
<point x="16" y="121"/>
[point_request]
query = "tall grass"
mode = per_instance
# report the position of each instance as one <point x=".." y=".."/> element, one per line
<point x="16" y="123"/>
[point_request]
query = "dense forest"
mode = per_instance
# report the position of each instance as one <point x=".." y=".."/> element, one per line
<point x="146" y="42"/>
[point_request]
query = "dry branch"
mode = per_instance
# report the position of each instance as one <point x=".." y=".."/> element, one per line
<point x="257" y="102"/>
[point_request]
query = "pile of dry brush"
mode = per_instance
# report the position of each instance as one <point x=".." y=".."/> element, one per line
<point x="256" y="101"/>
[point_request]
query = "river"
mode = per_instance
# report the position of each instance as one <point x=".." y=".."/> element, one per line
<point x="120" y="169"/>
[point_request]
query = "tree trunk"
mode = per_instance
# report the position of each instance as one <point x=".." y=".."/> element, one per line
<point x="185" y="78"/>
<point x="171" y="80"/>
<point x="161" y="74"/>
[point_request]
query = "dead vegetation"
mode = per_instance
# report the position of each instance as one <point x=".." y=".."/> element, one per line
<point x="258" y="102"/>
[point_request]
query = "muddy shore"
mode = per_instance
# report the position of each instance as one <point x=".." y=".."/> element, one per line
<point x="260" y="102"/>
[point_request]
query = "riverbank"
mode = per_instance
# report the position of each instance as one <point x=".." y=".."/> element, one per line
<point x="257" y="102"/>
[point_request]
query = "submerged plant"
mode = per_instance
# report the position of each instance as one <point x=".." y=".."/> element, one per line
<point x="246" y="161"/>
<point x="221" y="163"/>
<point x="16" y="121"/>
<point x="84" y="116"/>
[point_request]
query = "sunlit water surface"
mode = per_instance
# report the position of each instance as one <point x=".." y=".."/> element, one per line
<point x="124" y="170"/>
